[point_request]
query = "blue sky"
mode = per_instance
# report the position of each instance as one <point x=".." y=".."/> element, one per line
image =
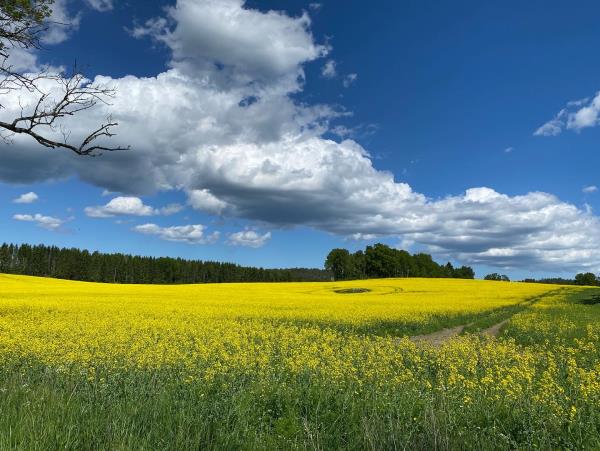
<point x="283" y="133"/>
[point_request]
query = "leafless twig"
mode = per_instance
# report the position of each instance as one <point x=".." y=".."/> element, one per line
<point x="77" y="94"/>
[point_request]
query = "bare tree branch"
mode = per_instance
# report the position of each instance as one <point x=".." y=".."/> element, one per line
<point x="21" y="24"/>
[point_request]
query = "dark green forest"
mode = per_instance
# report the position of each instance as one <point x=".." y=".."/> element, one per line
<point x="377" y="261"/>
<point x="75" y="264"/>
<point x="381" y="260"/>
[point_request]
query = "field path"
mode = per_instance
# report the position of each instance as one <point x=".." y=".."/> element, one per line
<point x="440" y="337"/>
<point x="494" y="331"/>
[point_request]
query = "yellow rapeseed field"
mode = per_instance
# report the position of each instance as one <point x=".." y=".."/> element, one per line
<point x="299" y="365"/>
<point x="64" y="322"/>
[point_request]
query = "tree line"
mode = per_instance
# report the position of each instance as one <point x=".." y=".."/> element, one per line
<point x="377" y="261"/>
<point x="76" y="264"/>
<point x="380" y="260"/>
<point x="583" y="279"/>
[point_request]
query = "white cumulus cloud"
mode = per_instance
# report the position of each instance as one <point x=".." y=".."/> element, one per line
<point x="191" y="234"/>
<point x="130" y="206"/>
<point x="221" y="125"/>
<point x="121" y="206"/>
<point x="243" y="44"/>
<point x="577" y="115"/>
<point x="248" y="238"/>
<point x="590" y="189"/>
<point x="60" y="24"/>
<point x="329" y="70"/>
<point x="46" y="222"/>
<point x="202" y="199"/>
<point x="27" y="198"/>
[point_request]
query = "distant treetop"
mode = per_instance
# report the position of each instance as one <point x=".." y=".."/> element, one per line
<point x="380" y="260"/>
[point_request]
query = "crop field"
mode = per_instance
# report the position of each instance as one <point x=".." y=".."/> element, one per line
<point x="336" y="365"/>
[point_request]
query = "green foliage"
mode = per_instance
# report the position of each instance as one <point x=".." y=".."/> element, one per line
<point x="551" y="280"/>
<point x="587" y="279"/>
<point x="339" y="262"/>
<point x="497" y="277"/>
<point x="26" y="11"/>
<point x="380" y="260"/>
<point x="21" y="22"/>
<point x="75" y="264"/>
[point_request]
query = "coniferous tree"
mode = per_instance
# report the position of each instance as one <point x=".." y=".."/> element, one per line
<point x="75" y="264"/>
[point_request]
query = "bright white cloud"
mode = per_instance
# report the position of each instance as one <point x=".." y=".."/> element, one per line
<point x="46" y="222"/>
<point x="232" y="44"/>
<point x="121" y="206"/>
<point x="191" y="234"/>
<point x="590" y="189"/>
<point x="551" y="128"/>
<point x="248" y="238"/>
<point x="22" y="60"/>
<point x="130" y="206"/>
<point x="27" y="198"/>
<point x="329" y="70"/>
<point x="58" y="28"/>
<point x="586" y="116"/>
<point x="577" y="115"/>
<point x="202" y="199"/>
<point x="535" y="230"/>
<point x="221" y="126"/>
<point x="60" y="24"/>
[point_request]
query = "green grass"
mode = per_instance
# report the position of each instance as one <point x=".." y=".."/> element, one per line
<point x="42" y="410"/>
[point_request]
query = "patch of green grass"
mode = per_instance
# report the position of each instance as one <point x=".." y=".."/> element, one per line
<point x="351" y="290"/>
<point x="44" y="410"/>
<point x="594" y="300"/>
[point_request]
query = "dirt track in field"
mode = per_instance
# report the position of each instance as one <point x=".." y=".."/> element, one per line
<point x="494" y="331"/>
<point x="438" y="338"/>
